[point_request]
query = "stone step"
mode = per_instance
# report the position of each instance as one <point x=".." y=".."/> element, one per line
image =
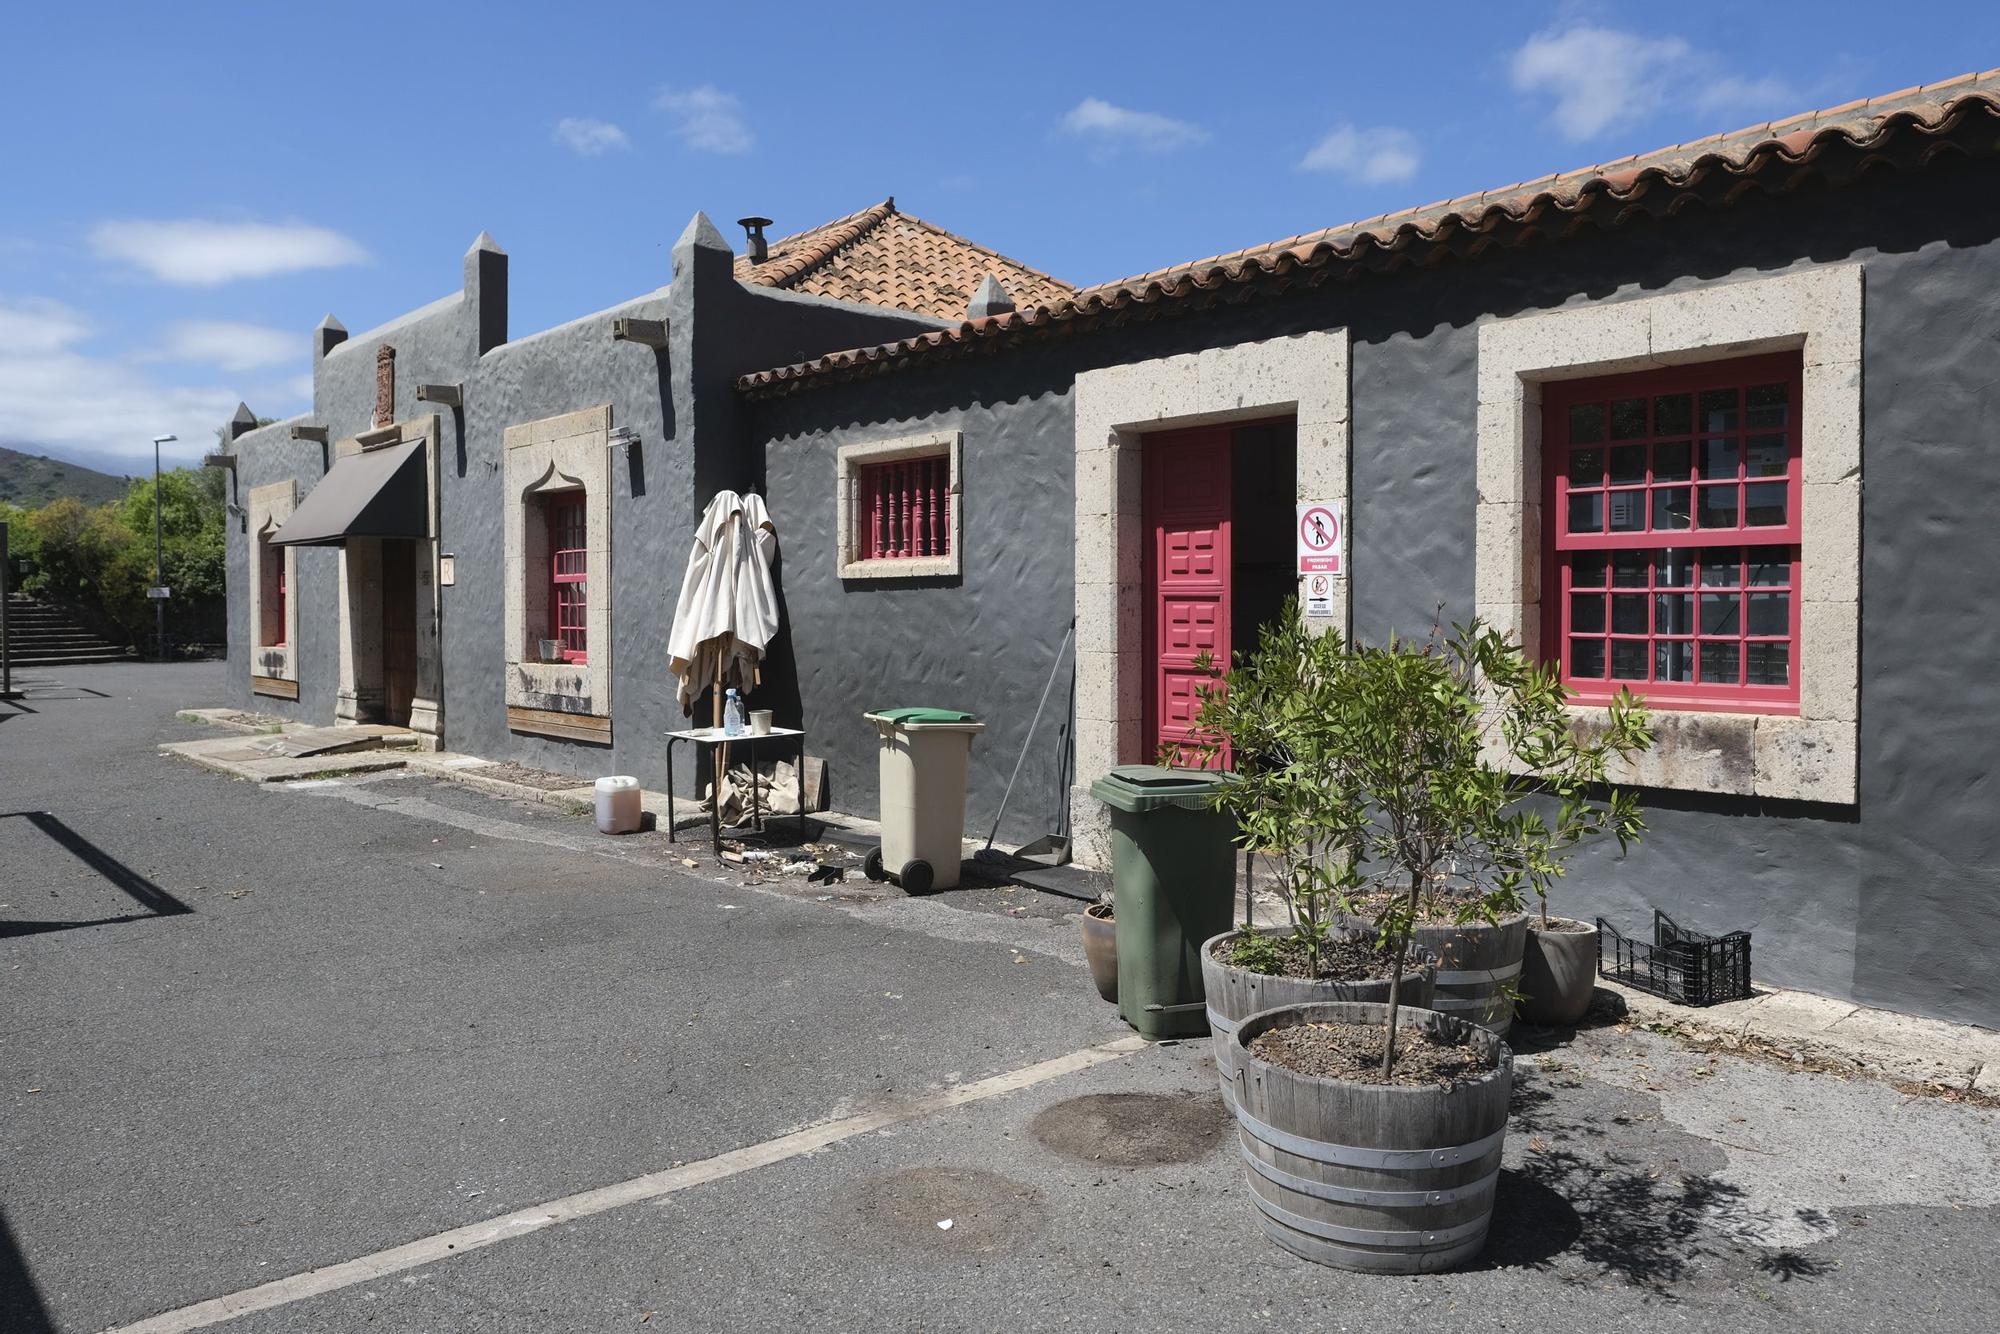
<point x="71" y="659"/>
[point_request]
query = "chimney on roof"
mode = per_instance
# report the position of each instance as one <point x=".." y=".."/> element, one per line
<point x="753" y="229"/>
<point x="990" y="299"/>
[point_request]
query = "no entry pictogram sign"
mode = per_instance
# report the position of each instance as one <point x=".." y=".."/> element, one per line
<point x="1319" y="538"/>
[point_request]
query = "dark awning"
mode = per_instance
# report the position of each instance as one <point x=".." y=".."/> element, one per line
<point x="379" y="493"/>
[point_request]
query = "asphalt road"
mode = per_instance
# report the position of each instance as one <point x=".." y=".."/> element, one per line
<point x="248" y="1033"/>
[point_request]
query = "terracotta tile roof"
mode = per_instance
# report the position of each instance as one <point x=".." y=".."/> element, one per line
<point x="886" y="258"/>
<point x="1906" y="129"/>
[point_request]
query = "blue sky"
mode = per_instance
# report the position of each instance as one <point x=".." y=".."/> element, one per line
<point x="190" y="187"/>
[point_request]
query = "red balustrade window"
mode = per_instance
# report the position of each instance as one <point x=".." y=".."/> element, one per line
<point x="271" y="596"/>
<point x="1673" y="507"/>
<point x="903" y="509"/>
<point x="569" y="571"/>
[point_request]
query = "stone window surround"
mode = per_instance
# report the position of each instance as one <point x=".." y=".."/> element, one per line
<point x="848" y="460"/>
<point x="1304" y="376"/>
<point x="1816" y="311"/>
<point x="560" y="453"/>
<point x="269" y="506"/>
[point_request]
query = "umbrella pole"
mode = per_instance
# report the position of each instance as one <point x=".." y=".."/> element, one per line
<point x="721" y="752"/>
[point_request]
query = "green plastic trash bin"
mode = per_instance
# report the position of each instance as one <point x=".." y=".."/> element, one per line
<point x="1173" y="884"/>
<point x="922" y="764"/>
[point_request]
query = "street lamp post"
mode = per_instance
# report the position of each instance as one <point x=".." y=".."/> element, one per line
<point x="159" y="603"/>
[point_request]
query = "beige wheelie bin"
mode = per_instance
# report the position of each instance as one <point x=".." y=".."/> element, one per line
<point x="923" y="760"/>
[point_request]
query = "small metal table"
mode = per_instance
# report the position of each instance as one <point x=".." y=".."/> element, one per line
<point x="705" y="740"/>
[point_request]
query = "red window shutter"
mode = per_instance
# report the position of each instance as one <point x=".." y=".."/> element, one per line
<point x="569" y="575"/>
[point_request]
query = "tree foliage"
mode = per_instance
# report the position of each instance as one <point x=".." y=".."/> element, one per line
<point x="98" y="560"/>
<point x="1432" y="779"/>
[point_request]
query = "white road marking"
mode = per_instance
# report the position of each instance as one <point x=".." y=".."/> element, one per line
<point x="521" y="1223"/>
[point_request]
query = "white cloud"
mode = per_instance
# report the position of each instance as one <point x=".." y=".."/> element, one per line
<point x="1374" y="156"/>
<point x="231" y="345"/>
<point x="1600" y="79"/>
<point x="56" y="398"/>
<point x="1113" y="127"/>
<point x="200" y="253"/>
<point x="707" y="119"/>
<point x="589" y="138"/>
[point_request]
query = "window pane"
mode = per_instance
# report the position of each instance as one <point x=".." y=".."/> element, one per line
<point x="1673" y="414"/>
<point x="1586" y="512"/>
<point x="1770" y="565"/>
<point x="1718" y="614"/>
<point x="1770" y="613"/>
<point x="1719" y="567"/>
<point x="1670" y="462"/>
<point x="1718" y="409"/>
<point x="1586" y="658"/>
<point x="1628" y="419"/>
<point x="1767" y="405"/>
<point x="1718" y="506"/>
<point x="1628" y="511"/>
<point x="1586" y="423"/>
<point x="1586" y="467"/>
<point x="1586" y="569"/>
<point x="1673" y="660"/>
<point x="1628" y="568"/>
<point x="1718" y="459"/>
<point x="1674" y="568"/>
<point x="1766" y="455"/>
<point x="1673" y="614"/>
<point x="1628" y="659"/>
<point x="1764" y="504"/>
<point x="1670" y="507"/>
<point x="1768" y="664"/>
<point x="1718" y="664"/>
<point x="1628" y="463"/>
<point x="1628" y="613"/>
<point x="1586" y="613"/>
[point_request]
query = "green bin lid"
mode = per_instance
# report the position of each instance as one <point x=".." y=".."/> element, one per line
<point x="1145" y="787"/>
<point x="923" y="716"/>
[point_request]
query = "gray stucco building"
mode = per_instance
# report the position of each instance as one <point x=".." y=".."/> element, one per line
<point x="1713" y="423"/>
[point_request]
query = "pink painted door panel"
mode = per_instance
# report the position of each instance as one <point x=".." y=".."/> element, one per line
<point x="1187" y="569"/>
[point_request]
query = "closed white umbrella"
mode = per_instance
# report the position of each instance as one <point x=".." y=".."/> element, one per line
<point x="728" y="609"/>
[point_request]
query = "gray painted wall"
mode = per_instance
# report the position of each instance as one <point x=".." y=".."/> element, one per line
<point x="1892" y="902"/>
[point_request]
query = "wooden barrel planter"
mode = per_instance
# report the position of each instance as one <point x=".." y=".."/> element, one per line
<point x="1477" y="966"/>
<point x="1234" y="994"/>
<point x="1389" y="1179"/>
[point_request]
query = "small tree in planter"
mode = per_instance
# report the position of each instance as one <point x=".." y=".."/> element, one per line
<point x="1446" y="782"/>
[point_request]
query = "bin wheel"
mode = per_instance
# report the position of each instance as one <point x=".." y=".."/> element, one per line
<point x="916" y="877"/>
<point x="871" y="865"/>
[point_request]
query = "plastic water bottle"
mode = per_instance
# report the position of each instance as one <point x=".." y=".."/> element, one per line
<point x="732" y="714"/>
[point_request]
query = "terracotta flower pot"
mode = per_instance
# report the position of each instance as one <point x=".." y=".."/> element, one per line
<point x="1100" y="949"/>
<point x="1558" y="972"/>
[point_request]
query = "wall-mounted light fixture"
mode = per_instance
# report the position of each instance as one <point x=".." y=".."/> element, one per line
<point x="620" y="437"/>
<point x="219" y="461"/>
<point x="449" y="395"/>
<point x="316" y="434"/>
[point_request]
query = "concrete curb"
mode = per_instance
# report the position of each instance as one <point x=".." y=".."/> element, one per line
<point x="1836" y="1033"/>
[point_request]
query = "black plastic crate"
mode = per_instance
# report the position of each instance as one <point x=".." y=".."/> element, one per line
<point x="1680" y="965"/>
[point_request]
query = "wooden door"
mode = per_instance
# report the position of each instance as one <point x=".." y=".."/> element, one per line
<point x="1186" y="506"/>
<point x="399" y="629"/>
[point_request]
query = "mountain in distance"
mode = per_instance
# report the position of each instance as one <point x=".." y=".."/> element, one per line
<point x="31" y="480"/>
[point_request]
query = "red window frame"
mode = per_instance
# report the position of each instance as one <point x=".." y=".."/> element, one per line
<point x="569" y="575"/>
<point x="271" y="568"/>
<point x="1640" y="559"/>
<point x="903" y="509"/>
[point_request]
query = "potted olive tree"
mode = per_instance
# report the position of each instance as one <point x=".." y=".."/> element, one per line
<point x="1294" y="805"/>
<point x="1464" y="787"/>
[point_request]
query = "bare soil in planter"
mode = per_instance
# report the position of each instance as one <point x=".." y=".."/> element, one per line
<point x="1354" y="959"/>
<point x="1354" y="1052"/>
<point x="1565" y="924"/>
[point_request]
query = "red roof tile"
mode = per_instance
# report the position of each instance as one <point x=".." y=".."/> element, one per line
<point x="1838" y="142"/>
<point x="886" y="258"/>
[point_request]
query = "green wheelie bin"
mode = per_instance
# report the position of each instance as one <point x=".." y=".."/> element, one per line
<point x="1173" y="885"/>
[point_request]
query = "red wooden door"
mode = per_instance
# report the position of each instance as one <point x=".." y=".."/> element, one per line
<point x="1186" y="516"/>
